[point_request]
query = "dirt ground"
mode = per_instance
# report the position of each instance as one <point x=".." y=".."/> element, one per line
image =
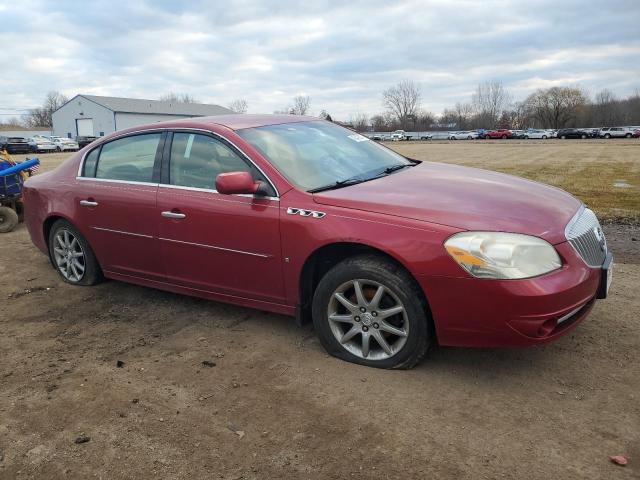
<point x="274" y="405"/>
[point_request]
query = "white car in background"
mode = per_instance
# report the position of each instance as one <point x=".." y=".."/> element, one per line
<point x="42" y="144"/>
<point x="398" y="135"/>
<point x="464" y="135"/>
<point x="65" y="144"/>
<point x="615" y="132"/>
<point x="538" y="133"/>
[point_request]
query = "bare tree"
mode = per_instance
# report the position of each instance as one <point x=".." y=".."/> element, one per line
<point x="556" y="107"/>
<point x="178" y="98"/>
<point x="489" y="101"/>
<point x="403" y="101"/>
<point x="325" y="116"/>
<point x="360" y="122"/>
<point x="606" y="109"/>
<point x="301" y="104"/>
<point x="41" y="116"/>
<point x="239" y="105"/>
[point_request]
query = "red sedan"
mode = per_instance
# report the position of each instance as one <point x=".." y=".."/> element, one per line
<point x="502" y="133"/>
<point x="294" y="215"/>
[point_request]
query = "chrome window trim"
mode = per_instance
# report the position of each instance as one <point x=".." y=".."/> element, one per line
<point x="261" y="255"/>
<point x="213" y="190"/>
<point x="172" y="130"/>
<point x="128" y="182"/>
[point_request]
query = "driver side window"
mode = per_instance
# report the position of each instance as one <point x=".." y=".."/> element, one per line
<point x="196" y="161"/>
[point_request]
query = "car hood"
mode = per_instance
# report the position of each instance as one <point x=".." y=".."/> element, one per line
<point x="462" y="197"/>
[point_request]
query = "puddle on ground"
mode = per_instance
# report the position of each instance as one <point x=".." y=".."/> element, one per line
<point x="621" y="184"/>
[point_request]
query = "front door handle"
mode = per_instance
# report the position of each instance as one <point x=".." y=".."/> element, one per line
<point x="88" y="203"/>
<point x="173" y="215"/>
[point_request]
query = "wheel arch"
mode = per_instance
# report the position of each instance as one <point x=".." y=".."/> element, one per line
<point x="48" y="224"/>
<point x="321" y="260"/>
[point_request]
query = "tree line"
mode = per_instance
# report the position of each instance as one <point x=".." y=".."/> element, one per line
<point x="492" y="106"/>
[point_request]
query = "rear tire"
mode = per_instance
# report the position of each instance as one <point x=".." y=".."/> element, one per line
<point x="504" y="137"/>
<point x="628" y="135"/>
<point x="354" y="305"/>
<point x="72" y="256"/>
<point x="8" y="219"/>
<point x="607" y="136"/>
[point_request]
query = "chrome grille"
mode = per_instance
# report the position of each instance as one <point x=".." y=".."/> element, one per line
<point x="585" y="235"/>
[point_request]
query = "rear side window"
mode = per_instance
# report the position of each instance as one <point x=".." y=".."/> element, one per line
<point x="90" y="162"/>
<point x="196" y="161"/>
<point x="129" y="158"/>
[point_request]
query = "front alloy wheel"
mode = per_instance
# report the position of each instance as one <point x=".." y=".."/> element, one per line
<point x="369" y="310"/>
<point x="368" y="319"/>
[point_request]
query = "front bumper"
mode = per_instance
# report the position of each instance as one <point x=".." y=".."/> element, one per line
<point x="509" y="313"/>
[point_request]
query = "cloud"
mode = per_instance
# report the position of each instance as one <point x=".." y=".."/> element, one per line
<point x="341" y="54"/>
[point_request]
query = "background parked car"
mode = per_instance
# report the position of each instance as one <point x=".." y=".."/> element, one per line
<point x="65" y="144"/>
<point x="615" y="132"/>
<point x="463" y="135"/>
<point x="40" y="144"/>
<point x="398" y="135"/>
<point x="565" y="133"/>
<point x="538" y="133"/>
<point x="83" y="141"/>
<point x="503" y="133"/>
<point x="14" y="144"/>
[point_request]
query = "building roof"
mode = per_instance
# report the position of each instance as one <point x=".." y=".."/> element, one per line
<point x="138" y="105"/>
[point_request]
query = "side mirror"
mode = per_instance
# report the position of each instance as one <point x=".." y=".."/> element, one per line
<point x="238" y="182"/>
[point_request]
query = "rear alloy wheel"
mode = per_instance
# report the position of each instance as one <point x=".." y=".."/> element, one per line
<point x="607" y="136"/>
<point x="72" y="256"/>
<point x="8" y="219"/>
<point x="504" y="137"/>
<point x="544" y="137"/>
<point x="628" y="135"/>
<point x="563" y="137"/>
<point x="368" y="310"/>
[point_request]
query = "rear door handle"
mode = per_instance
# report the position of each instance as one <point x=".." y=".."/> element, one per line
<point x="88" y="203"/>
<point x="173" y="215"/>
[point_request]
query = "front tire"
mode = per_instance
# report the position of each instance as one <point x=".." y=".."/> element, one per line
<point x="72" y="256"/>
<point x="368" y="310"/>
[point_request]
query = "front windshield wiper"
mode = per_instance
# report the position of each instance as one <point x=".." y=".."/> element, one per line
<point x="338" y="184"/>
<point x="355" y="180"/>
<point x="389" y="170"/>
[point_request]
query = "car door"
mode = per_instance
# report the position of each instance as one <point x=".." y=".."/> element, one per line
<point x="116" y="199"/>
<point x="227" y="244"/>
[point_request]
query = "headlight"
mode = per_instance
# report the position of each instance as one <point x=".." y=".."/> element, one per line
<point x="502" y="255"/>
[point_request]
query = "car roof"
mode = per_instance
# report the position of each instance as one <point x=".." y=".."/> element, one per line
<point x="237" y="121"/>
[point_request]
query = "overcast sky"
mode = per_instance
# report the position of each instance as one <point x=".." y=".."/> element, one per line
<point x="342" y="54"/>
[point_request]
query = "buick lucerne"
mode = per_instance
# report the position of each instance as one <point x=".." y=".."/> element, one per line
<point x="385" y="255"/>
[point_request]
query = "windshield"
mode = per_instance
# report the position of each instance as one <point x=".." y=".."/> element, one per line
<point x="315" y="154"/>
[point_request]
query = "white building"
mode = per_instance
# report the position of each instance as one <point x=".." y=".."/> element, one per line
<point x="92" y="115"/>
